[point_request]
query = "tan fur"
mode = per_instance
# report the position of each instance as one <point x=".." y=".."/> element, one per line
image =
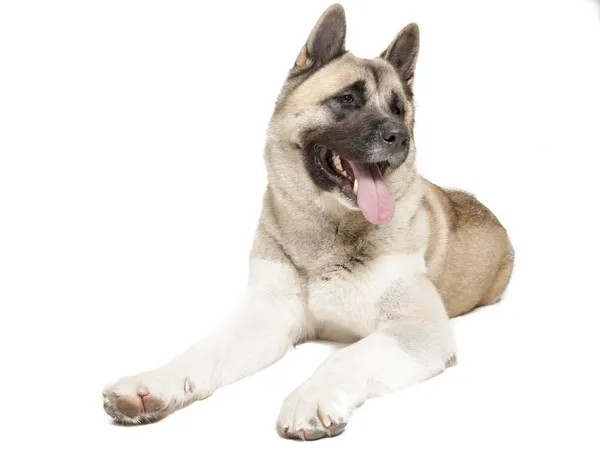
<point x="470" y="257"/>
<point x="303" y="62"/>
<point x="319" y="269"/>
<point x="468" y="253"/>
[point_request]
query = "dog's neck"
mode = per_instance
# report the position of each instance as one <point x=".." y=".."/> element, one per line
<point x="325" y="212"/>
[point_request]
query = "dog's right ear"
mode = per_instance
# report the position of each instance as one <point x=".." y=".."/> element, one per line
<point x="326" y="42"/>
<point x="403" y="52"/>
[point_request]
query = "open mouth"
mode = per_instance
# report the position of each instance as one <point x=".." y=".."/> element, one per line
<point x="340" y="171"/>
<point x="362" y="183"/>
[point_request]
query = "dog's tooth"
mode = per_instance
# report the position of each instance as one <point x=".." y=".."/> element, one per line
<point x="356" y="186"/>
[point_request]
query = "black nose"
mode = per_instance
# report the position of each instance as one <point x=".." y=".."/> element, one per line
<point x="395" y="134"/>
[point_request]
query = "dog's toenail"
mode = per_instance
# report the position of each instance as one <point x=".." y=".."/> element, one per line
<point x="143" y="391"/>
<point x="188" y="386"/>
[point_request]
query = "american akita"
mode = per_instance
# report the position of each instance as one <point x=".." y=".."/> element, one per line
<point x="352" y="245"/>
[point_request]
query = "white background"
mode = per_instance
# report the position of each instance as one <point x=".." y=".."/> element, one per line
<point x="131" y="176"/>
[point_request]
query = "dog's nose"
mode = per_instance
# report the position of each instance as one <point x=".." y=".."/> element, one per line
<point x="395" y="134"/>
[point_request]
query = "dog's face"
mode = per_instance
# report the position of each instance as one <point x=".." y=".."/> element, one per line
<point x="350" y="119"/>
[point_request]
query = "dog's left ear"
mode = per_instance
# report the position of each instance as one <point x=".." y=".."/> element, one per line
<point x="403" y="52"/>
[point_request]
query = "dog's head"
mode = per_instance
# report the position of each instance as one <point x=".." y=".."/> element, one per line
<point x="343" y="125"/>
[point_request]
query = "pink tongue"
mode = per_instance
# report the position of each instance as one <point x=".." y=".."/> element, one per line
<point x="374" y="199"/>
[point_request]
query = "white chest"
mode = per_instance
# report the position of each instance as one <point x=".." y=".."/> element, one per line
<point x="346" y="300"/>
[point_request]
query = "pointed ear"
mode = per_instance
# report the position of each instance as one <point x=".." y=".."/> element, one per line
<point x="403" y="52"/>
<point x="326" y="41"/>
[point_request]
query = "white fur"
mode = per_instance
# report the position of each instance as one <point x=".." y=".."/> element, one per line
<point x="348" y="301"/>
<point x="259" y="333"/>
<point x="373" y="366"/>
<point x="398" y="354"/>
<point x="277" y="312"/>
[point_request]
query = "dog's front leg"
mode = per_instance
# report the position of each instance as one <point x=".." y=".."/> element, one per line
<point x="413" y="342"/>
<point x="269" y="321"/>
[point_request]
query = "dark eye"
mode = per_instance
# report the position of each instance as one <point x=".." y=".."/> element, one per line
<point x="348" y="98"/>
<point x="396" y="109"/>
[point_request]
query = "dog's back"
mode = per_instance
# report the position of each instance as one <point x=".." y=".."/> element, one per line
<point x="469" y="257"/>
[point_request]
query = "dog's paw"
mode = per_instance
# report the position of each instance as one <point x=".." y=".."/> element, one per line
<point x="146" y="397"/>
<point x="314" y="412"/>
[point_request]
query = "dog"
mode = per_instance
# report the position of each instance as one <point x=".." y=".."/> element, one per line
<point x="352" y="245"/>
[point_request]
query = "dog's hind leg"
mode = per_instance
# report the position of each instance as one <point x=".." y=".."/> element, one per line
<point x="268" y="323"/>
